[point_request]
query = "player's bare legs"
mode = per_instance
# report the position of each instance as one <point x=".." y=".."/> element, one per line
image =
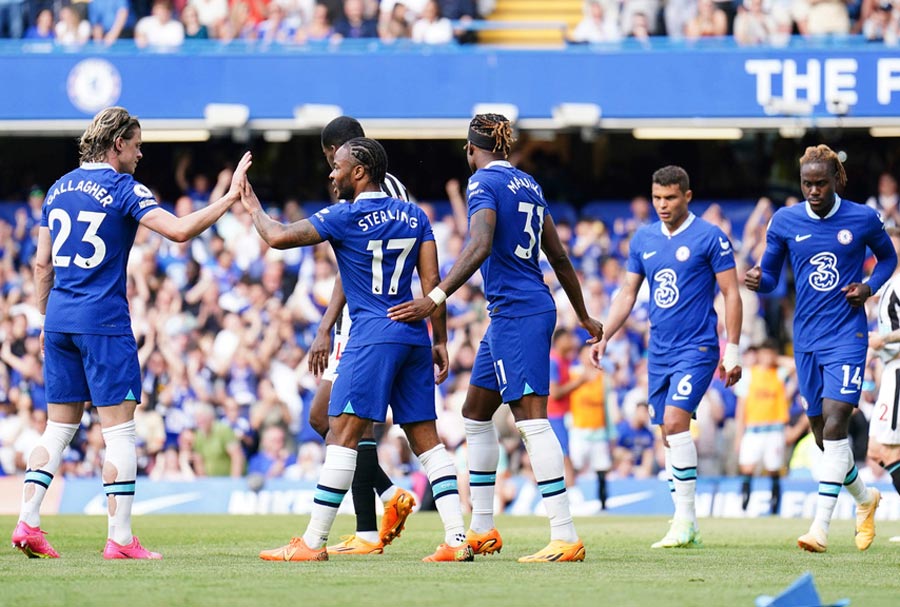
<point x="119" y="477"/>
<point x="43" y="462"/>
<point x="368" y="479"/>
<point x="838" y="469"/>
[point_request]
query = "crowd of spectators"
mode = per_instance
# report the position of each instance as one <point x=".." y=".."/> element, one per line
<point x="751" y="22"/>
<point x="223" y="324"/>
<point x="168" y="23"/>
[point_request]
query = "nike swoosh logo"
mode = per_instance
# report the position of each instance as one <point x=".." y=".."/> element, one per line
<point x="98" y="505"/>
<point x="724" y="243"/>
<point x="649" y="254"/>
<point x="474" y="185"/>
<point x="679" y="397"/>
<point x="799" y="238"/>
<point x="725" y="253"/>
<point x="845" y="391"/>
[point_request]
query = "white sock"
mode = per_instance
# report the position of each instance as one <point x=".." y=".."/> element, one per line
<point x="54" y="440"/>
<point x="442" y="475"/>
<point x="121" y="455"/>
<point x="834" y="471"/>
<point x="683" y="458"/>
<point x="389" y="494"/>
<point x="334" y="482"/>
<point x="546" y="458"/>
<point x="854" y="484"/>
<point x="482" y="447"/>
<point x="669" y="481"/>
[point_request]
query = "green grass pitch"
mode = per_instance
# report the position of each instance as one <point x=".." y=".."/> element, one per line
<point x="212" y="560"/>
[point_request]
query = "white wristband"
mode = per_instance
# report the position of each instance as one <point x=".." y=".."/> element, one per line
<point x="437" y="296"/>
<point x="732" y="357"/>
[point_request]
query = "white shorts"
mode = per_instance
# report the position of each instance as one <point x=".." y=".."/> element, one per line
<point x="589" y="448"/>
<point x="763" y="444"/>
<point x="330" y="373"/>
<point x="884" y="426"/>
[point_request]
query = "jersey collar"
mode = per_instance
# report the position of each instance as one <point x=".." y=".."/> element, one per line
<point x="96" y="166"/>
<point x="499" y="163"/>
<point x="369" y="195"/>
<point x="834" y="209"/>
<point x="687" y="222"/>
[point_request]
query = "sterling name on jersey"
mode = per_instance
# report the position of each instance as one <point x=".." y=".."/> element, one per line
<point x="826" y="255"/>
<point x="395" y="189"/>
<point x="376" y="241"/>
<point x="93" y="215"/>
<point x="681" y="270"/>
<point x="513" y="282"/>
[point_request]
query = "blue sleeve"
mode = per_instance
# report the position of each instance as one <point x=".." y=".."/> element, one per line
<point x="881" y="245"/>
<point x="136" y="199"/>
<point x="721" y="252"/>
<point x="427" y="230"/>
<point x="479" y="195"/>
<point x="633" y="264"/>
<point x="773" y="259"/>
<point x="329" y="222"/>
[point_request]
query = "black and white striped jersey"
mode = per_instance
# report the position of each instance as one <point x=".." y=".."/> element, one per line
<point x="889" y="315"/>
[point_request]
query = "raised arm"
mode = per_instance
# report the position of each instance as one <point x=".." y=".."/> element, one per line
<point x="565" y="273"/>
<point x="619" y="309"/>
<point x="429" y="275"/>
<point x="730" y="368"/>
<point x="276" y="234"/>
<point x="481" y="240"/>
<point x="181" y="229"/>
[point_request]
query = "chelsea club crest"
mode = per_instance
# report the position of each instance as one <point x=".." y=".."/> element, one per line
<point x="94" y="84"/>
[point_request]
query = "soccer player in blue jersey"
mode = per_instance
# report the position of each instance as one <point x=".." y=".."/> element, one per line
<point x="369" y="477"/>
<point x="683" y="258"/>
<point x="378" y="241"/>
<point x="509" y="226"/>
<point x="90" y="218"/>
<point x="825" y="240"/>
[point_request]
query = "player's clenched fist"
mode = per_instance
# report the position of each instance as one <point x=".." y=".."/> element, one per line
<point x="752" y="278"/>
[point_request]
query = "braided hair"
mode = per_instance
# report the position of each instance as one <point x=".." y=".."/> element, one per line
<point x="371" y="155"/>
<point x="497" y="129"/>
<point x="825" y="155"/>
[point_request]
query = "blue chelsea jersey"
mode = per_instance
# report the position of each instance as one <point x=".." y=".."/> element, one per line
<point x="93" y="214"/>
<point x="376" y="240"/>
<point x="826" y="254"/>
<point x="681" y="271"/>
<point x="513" y="282"/>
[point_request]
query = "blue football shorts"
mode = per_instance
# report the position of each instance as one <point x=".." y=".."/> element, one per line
<point x="371" y="377"/>
<point x="102" y="369"/>
<point x="514" y="356"/>
<point x="558" y="425"/>
<point x="679" y="381"/>
<point x="835" y="373"/>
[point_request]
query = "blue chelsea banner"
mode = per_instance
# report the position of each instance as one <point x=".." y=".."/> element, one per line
<point x="374" y="81"/>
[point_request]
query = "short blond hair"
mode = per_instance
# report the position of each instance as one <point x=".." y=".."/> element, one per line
<point x="107" y="126"/>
